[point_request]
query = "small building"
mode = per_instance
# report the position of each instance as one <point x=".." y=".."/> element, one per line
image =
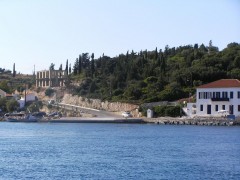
<point x="21" y="102"/>
<point x="30" y="97"/>
<point x="220" y="96"/>
<point x="149" y="113"/>
<point x="51" y="78"/>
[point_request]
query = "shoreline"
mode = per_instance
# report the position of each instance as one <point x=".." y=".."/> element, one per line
<point x="200" y="121"/>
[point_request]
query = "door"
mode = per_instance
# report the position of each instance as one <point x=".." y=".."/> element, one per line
<point x="231" y="109"/>
<point x="209" y="109"/>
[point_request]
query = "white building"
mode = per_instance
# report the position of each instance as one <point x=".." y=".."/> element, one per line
<point x="218" y="97"/>
<point x="30" y="97"/>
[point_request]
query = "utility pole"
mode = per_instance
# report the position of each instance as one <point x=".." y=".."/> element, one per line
<point x="25" y="94"/>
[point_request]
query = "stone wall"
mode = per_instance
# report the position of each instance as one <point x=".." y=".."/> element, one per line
<point x="98" y="104"/>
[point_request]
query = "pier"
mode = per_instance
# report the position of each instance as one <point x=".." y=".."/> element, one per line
<point x="96" y="120"/>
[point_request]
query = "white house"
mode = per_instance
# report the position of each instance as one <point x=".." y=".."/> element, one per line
<point x="215" y="98"/>
<point x="30" y="97"/>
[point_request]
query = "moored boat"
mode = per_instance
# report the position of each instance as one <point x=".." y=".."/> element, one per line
<point x="21" y="117"/>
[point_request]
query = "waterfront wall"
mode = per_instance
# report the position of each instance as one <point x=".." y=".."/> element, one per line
<point x="192" y="121"/>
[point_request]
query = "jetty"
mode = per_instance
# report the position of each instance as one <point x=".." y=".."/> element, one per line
<point x="96" y="120"/>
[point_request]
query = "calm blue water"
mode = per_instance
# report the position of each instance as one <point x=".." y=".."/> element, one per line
<point x="118" y="151"/>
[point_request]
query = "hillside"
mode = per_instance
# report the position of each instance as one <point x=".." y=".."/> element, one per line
<point x="148" y="76"/>
<point x="145" y="76"/>
<point x="9" y="84"/>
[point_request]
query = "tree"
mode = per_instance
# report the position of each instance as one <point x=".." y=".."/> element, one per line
<point x="60" y="67"/>
<point x="236" y="61"/>
<point x="70" y="69"/>
<point x="92" y="65"/>
<point x="34" y="107"/>
<point x="79" y="64"/>
<point x="3" y="102"/>
<point x="51" y="66"/>
<point x="84" y="60"/>
<point x="156" y="54"/>
<point x="162" y="64"/>
<point x="49" y="92"/>
<point x="76" y="67"/>
<point x="14" y="72"/>
<point x="127" y="55"/>
<point x="4" y="86"/>
<point x="66" y="69"/>
<point x="12" y="105"/>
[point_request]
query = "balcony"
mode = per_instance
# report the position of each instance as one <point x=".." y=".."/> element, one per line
<point x="220" y="99"/>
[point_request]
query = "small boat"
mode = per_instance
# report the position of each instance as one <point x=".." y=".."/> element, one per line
<point x="21" y="117"/>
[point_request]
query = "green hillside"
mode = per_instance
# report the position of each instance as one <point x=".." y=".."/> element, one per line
<point x="158" y="75"/>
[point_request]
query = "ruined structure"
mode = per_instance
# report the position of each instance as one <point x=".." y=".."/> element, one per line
<point x="50" y="78"/>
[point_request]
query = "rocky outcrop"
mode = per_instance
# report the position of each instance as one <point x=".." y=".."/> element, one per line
<point x="98" y="104"/>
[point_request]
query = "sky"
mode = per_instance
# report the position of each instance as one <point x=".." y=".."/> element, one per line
<point x="40" y="32"/>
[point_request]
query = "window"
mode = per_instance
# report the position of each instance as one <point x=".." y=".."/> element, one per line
<point x="231" y="95"/>
<point x="214" y="94"/>
<point x="205" y="95"/>
<point x="201" y="95"/>
<point x="216" y="107"/>
<point x="224" y="94"/>
<point x="201" y="107"/>
<point x="223" y="107"/>
<point x="238" y="108"/>
<point x="238" y="94"/>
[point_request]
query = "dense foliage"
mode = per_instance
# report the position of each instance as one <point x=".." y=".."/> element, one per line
<point x="49" y="92"/>
<point x="148" y="76"/>
<point x="172" y="111"/>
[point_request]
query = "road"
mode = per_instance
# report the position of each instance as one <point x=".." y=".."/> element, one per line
<point x="95" y="112"/>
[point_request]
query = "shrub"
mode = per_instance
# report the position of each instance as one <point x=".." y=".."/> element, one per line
<point x="159" y="110"/>
<point x="172" y="111"/>
<point x="49" y="92"/>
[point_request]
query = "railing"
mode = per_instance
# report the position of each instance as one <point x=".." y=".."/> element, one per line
<point x="220" y="99"/>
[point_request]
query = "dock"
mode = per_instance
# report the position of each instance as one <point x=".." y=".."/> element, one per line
<point x="96" y="120"/>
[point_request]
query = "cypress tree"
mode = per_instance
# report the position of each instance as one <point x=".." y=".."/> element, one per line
<point x="70" y="69"/>
<point x="92" y="65"/>
<point x="156" y="54"/>
<point x="14" y="72"/>
<point x="66" y="69"/>
<point x="75" y="67"/>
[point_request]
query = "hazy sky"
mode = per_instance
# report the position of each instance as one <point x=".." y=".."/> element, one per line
<point x="41" y="32"/>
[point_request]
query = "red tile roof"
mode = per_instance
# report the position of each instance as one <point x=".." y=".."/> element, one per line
<point x="222" y="83"/>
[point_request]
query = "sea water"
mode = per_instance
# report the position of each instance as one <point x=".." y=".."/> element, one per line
<point x="118" y="151"/>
